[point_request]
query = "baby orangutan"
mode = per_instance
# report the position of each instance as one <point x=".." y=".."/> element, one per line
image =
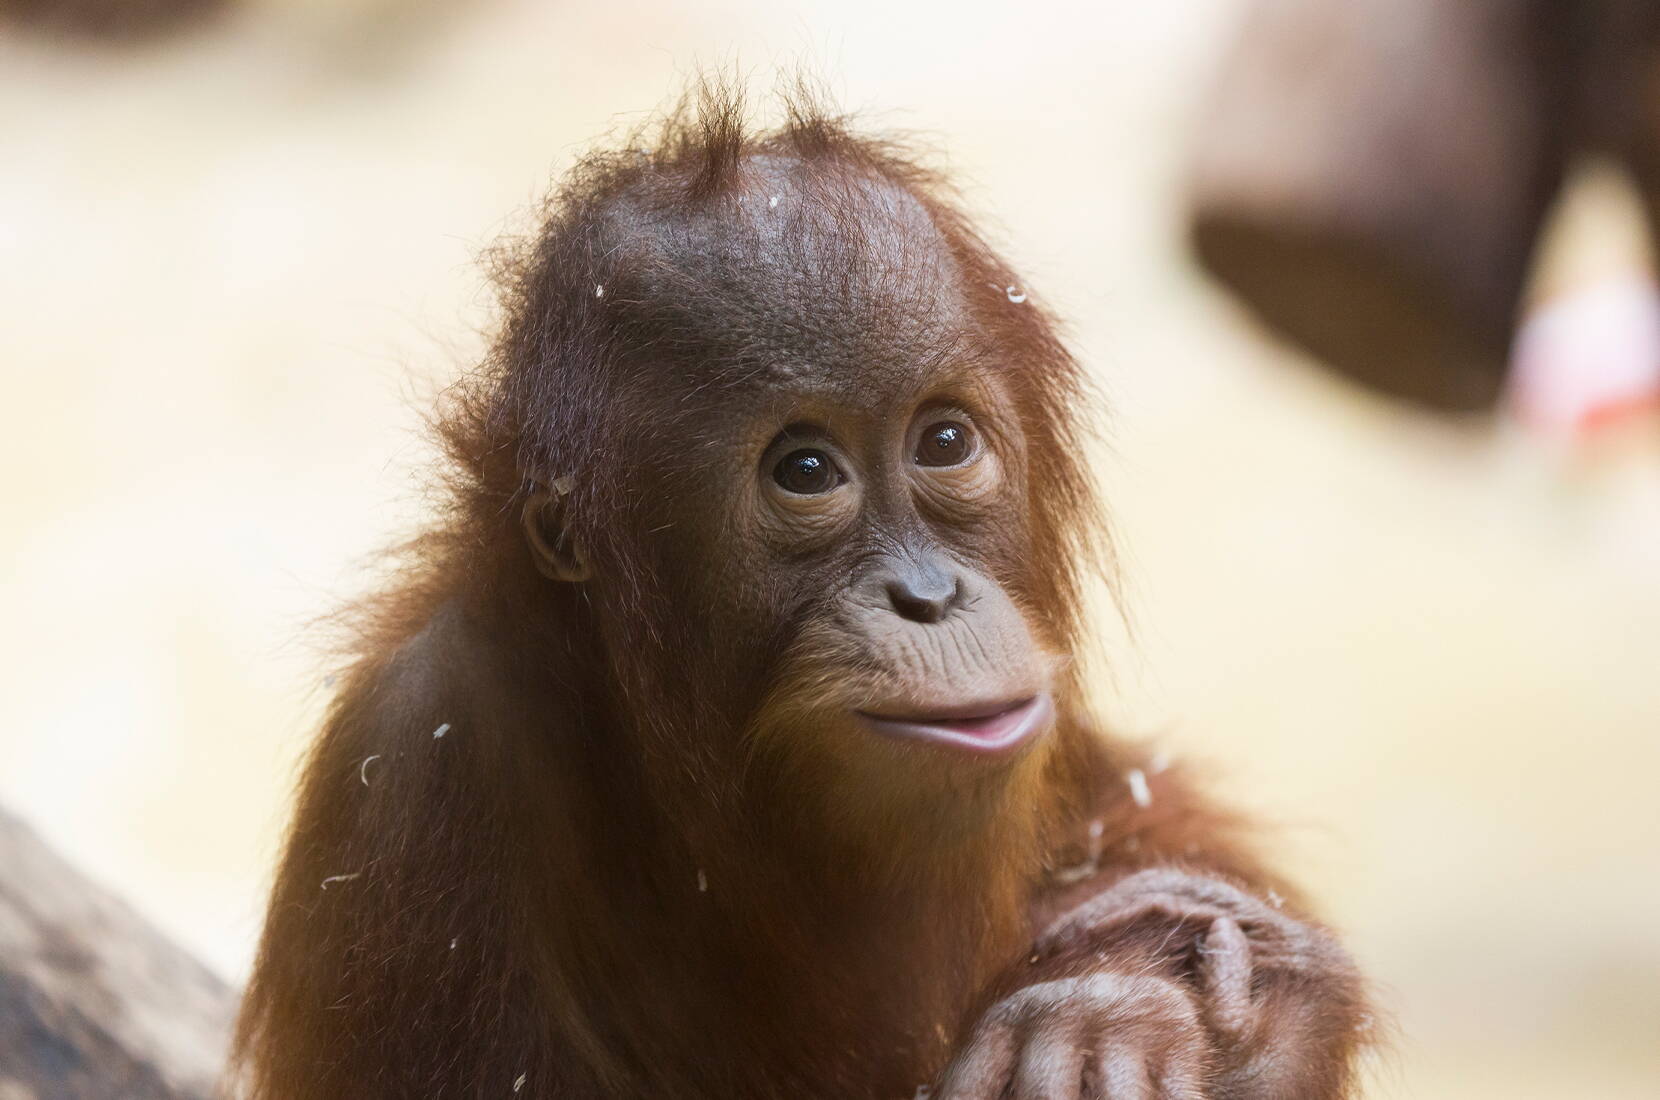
<point x="725" y="742"/>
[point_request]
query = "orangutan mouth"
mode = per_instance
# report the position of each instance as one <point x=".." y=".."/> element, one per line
<point x="980" y="727"/>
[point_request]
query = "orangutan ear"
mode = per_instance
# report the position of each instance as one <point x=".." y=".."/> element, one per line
<point x="546" y="517"/>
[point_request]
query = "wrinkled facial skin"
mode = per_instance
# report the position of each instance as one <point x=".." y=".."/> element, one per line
<point x="885" y="584"/>
<point x="835" y="477"/>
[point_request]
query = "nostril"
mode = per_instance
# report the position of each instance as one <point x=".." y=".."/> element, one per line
<point x="923" y="601"/>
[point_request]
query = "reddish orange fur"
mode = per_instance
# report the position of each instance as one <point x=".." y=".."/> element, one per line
<point x="531" y="902"/>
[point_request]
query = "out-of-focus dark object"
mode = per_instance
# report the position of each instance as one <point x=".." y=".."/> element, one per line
<point x="1374" y="174"/>
<point x="110" y="21"/>
<point x="94" y="1003"/>
<point x="1619" y="89"/>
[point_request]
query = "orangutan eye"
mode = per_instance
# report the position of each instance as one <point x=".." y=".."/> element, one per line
<point x="806" y="472"/>
<point x="947" y="443"/>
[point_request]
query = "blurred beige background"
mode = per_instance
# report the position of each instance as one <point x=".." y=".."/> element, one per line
<point x="231" y="263"/>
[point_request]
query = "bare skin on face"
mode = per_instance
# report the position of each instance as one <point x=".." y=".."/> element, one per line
<point x="765" y="770"/>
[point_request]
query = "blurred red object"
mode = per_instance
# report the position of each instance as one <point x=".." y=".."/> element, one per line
<point x="1588" y="360"/>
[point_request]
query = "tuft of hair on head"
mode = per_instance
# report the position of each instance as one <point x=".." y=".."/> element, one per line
<point x="707" y="133"/>
<point x="721" y="138"/>
<point x="813" y="128"/>
<point x="708" y="127"/>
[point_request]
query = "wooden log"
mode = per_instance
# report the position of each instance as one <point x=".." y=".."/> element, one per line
<point x="1372" y="176"/>
<point x="95" y="1004"/>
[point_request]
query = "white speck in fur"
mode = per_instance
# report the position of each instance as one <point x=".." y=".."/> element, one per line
<point x="1137" y="779"/>
<point x="1016" y="295"/>
<point x="1092" y="861"/>
<point x="702" y="882"/>
<point x="454" y="942"/>
<point x="772" y="203"/>
<point x="1275" y="900"/>
<point x="340" y="878"/>
<point x="363" y="768"/>
<point x="520" y="1082"/>
<point x="563" y="485"/>
<point x="441" y="731"/>
<point x="599" y="290"/>
<point x="1096" y="829"/>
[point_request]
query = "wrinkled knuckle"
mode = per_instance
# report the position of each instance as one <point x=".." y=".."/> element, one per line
<point x="1002" y="1014"/>
<point x="1013" y="1008"/>
<point x="1154" y="879"/>
<point x="1157" y="999"/>
<point x="1177" y="1006"/>
<point x="1065" y="931"/>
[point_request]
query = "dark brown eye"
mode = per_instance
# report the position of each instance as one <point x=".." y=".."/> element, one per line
<point x="944" y="444"/>
<point x="806" y="472"/>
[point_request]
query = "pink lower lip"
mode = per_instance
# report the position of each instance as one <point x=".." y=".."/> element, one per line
<point x="994" y="731"/>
